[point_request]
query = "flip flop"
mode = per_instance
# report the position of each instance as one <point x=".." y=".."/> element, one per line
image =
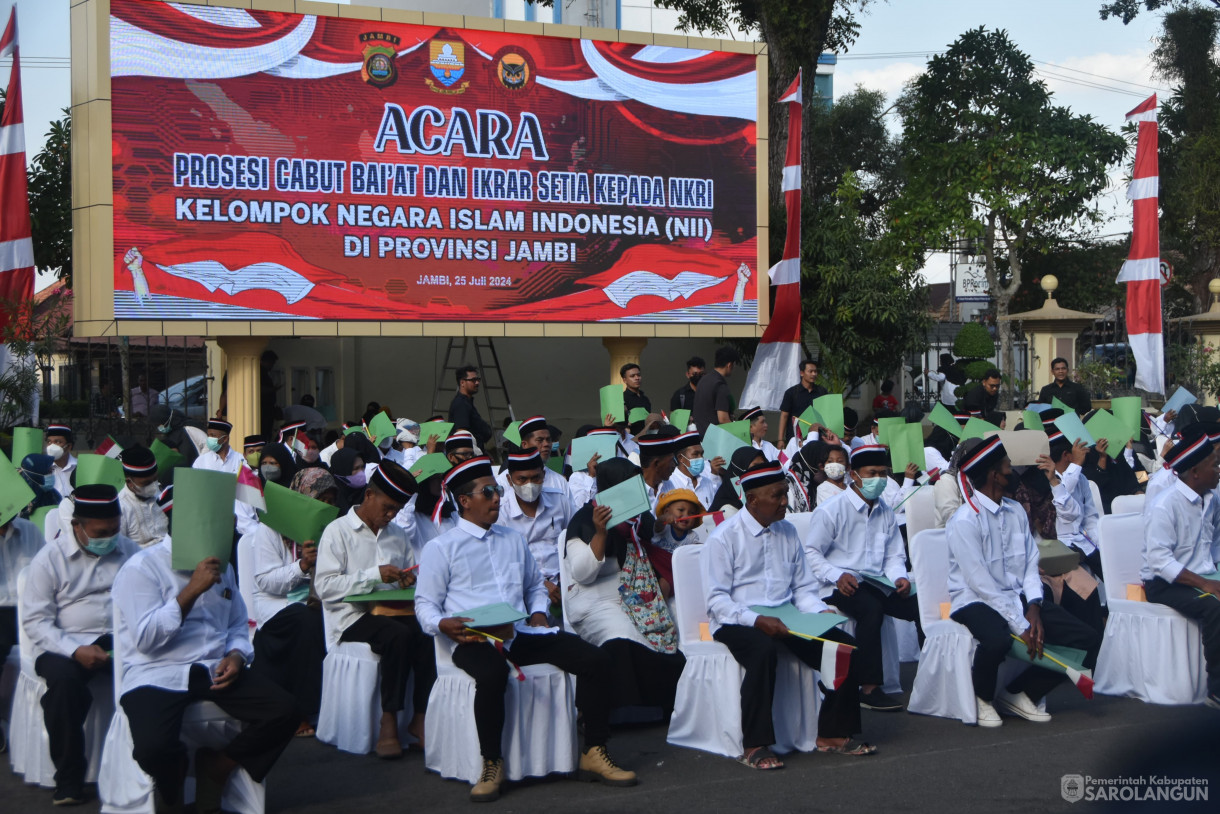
<point x="306" y="730"/>
<point x="762" y="759"/>
<point x="850" y="747"/>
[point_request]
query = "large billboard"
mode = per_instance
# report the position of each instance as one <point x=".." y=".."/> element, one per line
<point x="274" y="166"/>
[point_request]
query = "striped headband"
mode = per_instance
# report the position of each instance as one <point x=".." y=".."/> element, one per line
<point x="985" y="450"/>
<point x="389" y="483"/>
<point x="752" y="413"/>
<point x="59" y="429"/>
<point x="531" y="425"/>
<point x="1187" y="454"/>
<point x="1055" y="436"/>
<point x="761" y="475"/>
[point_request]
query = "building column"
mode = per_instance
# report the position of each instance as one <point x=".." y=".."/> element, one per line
<point x="623" y="349"/>
<point x="242" y="385"/>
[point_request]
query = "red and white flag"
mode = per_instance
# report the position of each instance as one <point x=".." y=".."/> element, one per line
<point x="109" y="447"/>
<point x="250" y="489"/>
<point x="836" y="658"/>
<point x="1082" y="680"/>
<point x="1142" y="270"/>
<point x="777" y="360"/>
<point x="16" y="243"/>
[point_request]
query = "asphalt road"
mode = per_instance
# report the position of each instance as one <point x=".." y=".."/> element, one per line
<point x="924" y="764"/>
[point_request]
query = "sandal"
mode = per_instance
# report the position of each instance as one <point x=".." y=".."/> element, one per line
<point x="761" y="758"/>
<point x="850" y="747"/>
<point x="306" y="730"/>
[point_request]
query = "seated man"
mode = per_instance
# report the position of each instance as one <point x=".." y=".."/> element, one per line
<point x="996" y="590"/>
<point x="185" y="638"/>
<point x="220" y="457"/>
<point x="536" y="435"/>
<point x="1076" y="515"/>
<point x="850" y="539"/>
<point x="755" y="558"/>
<point x="357" y="552"/>
<point x="1181" y="544"/>
<point x="20" y="541"/>
<point x="67" y="619"/>
<point x="538" y="515"/>
<point x="456" y="575"/>
<point x="60" y="441"/>
<point x="142" y="520"/>
<point x="459" y="447"/>
<point x="694" y="472"/>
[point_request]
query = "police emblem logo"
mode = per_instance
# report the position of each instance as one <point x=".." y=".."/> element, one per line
<point x="379" y="69"/>
<point x="513" y="71"/>
<point x="1071" y="786"/>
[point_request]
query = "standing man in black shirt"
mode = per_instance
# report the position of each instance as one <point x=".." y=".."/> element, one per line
<point x="1073" y="394"/>
<point x="713" y="403"/>
<point x="462" y="412"/>
<point x="798" y="398"/>
<point x="684" y="397"/>
<point x="633" y="396"/>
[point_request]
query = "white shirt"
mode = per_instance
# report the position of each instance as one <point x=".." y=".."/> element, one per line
<point x="583" y="488"/>
<point x="847" y="537"/>
<point x="1160" y="480"/>
<point x="947" y="497"/>
<point x="1076" y="515"/>
<point x="410" y="456"/>
<point x="469" y="567"/>
<point x="745" y="564"/>
<point x="350" y="557"/>
<point x="829" y="490"/>
<point x="247" y="518"/>
<point x="141" y="400"/>
<point x="542" y="530"/>
<point x="653" y="494"/>
<point x="325" y="455"/>
<point x="67" y="595"/>
<point x="423" y="531"/>
<point x="934" y="460"/>
<point x="704" y="487"/>
<point x="54" y="524"/>
<point x="277" y="571"/>
<point x="552" y="482"/>
<point x="18" y="545"/>
<point x="1179" y="533"/>
<point x="767" y="448"/>
<point x="948" y="390"/>
<point x="591" y="598"/>
<point x="63" y="476"/>
<point x="895" y="495"/>
<point x="142" y="520"/>
<point x="159" y="646"/>
<point x="993" y="559"/>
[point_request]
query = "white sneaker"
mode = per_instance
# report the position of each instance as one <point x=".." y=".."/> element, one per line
<point x="988" y="717"/>
<point x="1021" y="706"/>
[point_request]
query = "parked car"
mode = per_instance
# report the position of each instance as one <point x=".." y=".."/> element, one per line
<point x="190" y="396"/>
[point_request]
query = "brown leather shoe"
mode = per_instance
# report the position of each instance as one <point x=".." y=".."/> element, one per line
<point x="488" y="787"/>
<point x="596" y="764"/>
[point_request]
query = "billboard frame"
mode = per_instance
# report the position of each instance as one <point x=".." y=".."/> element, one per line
<point x="93" y="188"/>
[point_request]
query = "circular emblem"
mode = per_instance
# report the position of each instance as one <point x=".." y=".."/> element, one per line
<point x="378" y="68"/>
<point x="514" y="69"/>
<point x="1166" y="273"/>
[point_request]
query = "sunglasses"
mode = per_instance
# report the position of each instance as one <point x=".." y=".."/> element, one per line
<point x="475" y="379"/>
<point x="488" y="491"/>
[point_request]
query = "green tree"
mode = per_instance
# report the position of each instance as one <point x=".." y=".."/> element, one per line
<point x="988" y="155"/>
<point x="1086" y="272"/>
<point x="1127" y="10"/>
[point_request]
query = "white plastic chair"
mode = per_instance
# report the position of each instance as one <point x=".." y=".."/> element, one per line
<point x="29" y="745"/>
<point x="1096" y="497"/>
<point x="1127" y="504"/>
<point x="1149" y="651"/>
<point x="123" y="786"/>
<point x="245" y="579"/>
<point x="921" y="511"/>
<point x="539" y="722"/>
<point x="707" y="710"/>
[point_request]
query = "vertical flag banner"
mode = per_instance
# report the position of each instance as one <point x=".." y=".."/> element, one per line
<point x="1142" y="269"/>
<point x="779" y="351"/>
<point x="16" y="244"/>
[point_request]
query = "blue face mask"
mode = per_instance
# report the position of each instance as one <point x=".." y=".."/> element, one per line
<point x="696" y="466"/>
<point x="214" y="444"/>
<point x="873" y="488"/>
<point x="101" y="546"/>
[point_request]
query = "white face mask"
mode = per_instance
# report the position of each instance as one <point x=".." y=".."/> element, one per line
<point x="835" y="471"/>
<point x="528" y="492"/>
<point x="147" y="492"/>
<point x="55" y="451"/>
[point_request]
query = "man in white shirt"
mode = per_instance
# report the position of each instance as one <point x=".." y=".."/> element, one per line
<point x="537" y="515"/>
<point x="536" y="435"/>
<point x="758" y="433"/>
<point x="996" y="591"/>
<point x="143" y="397"/>
<point x="1076" y="516"/>
<point x="755" y="558"/>
<point x="359" y="552"/>
<point x="459" y="447"/>
<point x="855" y="551"/>
<point x="220" y="457"/>
<point x="67" y="618"/>
<point x="251" y="449"/>
<point x="1181" y="543"/>
<point x="456" y="576"/>
<point x="657" y="461"/>
<point x="142" y="520"/>
<point x="185" y="638"/>
<point x="60" y="441"/>
<point x="694" y="472"/>
<point x="20" y="540"/>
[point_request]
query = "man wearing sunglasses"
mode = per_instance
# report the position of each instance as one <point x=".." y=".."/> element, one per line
<point x="462" y="412"/>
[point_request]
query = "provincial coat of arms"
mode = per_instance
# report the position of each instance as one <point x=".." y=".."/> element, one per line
<point x="448" y="63"/>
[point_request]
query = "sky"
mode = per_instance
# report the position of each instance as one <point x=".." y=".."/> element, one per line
<point x="1096" y="67"/>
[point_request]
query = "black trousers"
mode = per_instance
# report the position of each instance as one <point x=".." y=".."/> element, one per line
<point x="758" y="653"/>
<point x="65" y="705"/>
<point x="642" y="677"/>
<point x="995" y="640"/>
<point x="489" y="668"/>
<point x="289" y="649"/>
<point x="155" y="715"/>
<point x="403" y="647"/>
<point x="869" y="606"/>
<point x="1206" y="611"/>
<point x="8" y="631"/>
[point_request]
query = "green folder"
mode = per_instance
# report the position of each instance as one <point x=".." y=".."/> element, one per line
<point x="612" y="403"/>
<point x="298" y="517"/>
<point x="1059" y="405"/>
<point x="15" y="493"/>
<point x="808" y="418"/>
<point x="802" y="624"/>
<point x="587" y="446"/>
<point x="1070" y="656"/>
<point x="626" y="500"/>
<point x="555" y="463"/>
<point x="1073" y="429"/>
<point x="680" y="419"/>
<point x="430" y="465"/>
<point x="941" y="417"/>
<point x="906" y="446"/>
<point x="718" y="443"/>
<point x="512" y="433"/>
<point x="1031" y="420"/>
<point x="1128" y="410"/>
<point x="495" y="615"/>
<point x="381" y="427"/>
<point x="441" y="429"/>
<point x="637" y="414"/>
<point x="977" y="428"/>
<point x="886" y="582"/>
<point x="39" y="517"/>
<point x="830" y="408"/>
<point x="203" y="518"/>
<point x="167" y="457"/>
<point x="388" y="595"/>
<point x="1106" y="425"/>
<point x="26" y="441"/>
<point x="738" y="429"/>
<point x="351" y="430"/>
<point x="92" y="468"/>
<point x="885" y="426"/>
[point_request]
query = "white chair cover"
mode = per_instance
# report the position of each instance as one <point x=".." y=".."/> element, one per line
<point x="245" y="579"/>
<point x="707" y="710"/>
<point x="123" y="786"/>
<point x="1096" y="496"/>
<point x="921" y="511"/>
<point x="1127" y="504"/>
<point x="1149" y="651"/>
<point x="539" y="722"/>
<point x="29" y="745"/>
